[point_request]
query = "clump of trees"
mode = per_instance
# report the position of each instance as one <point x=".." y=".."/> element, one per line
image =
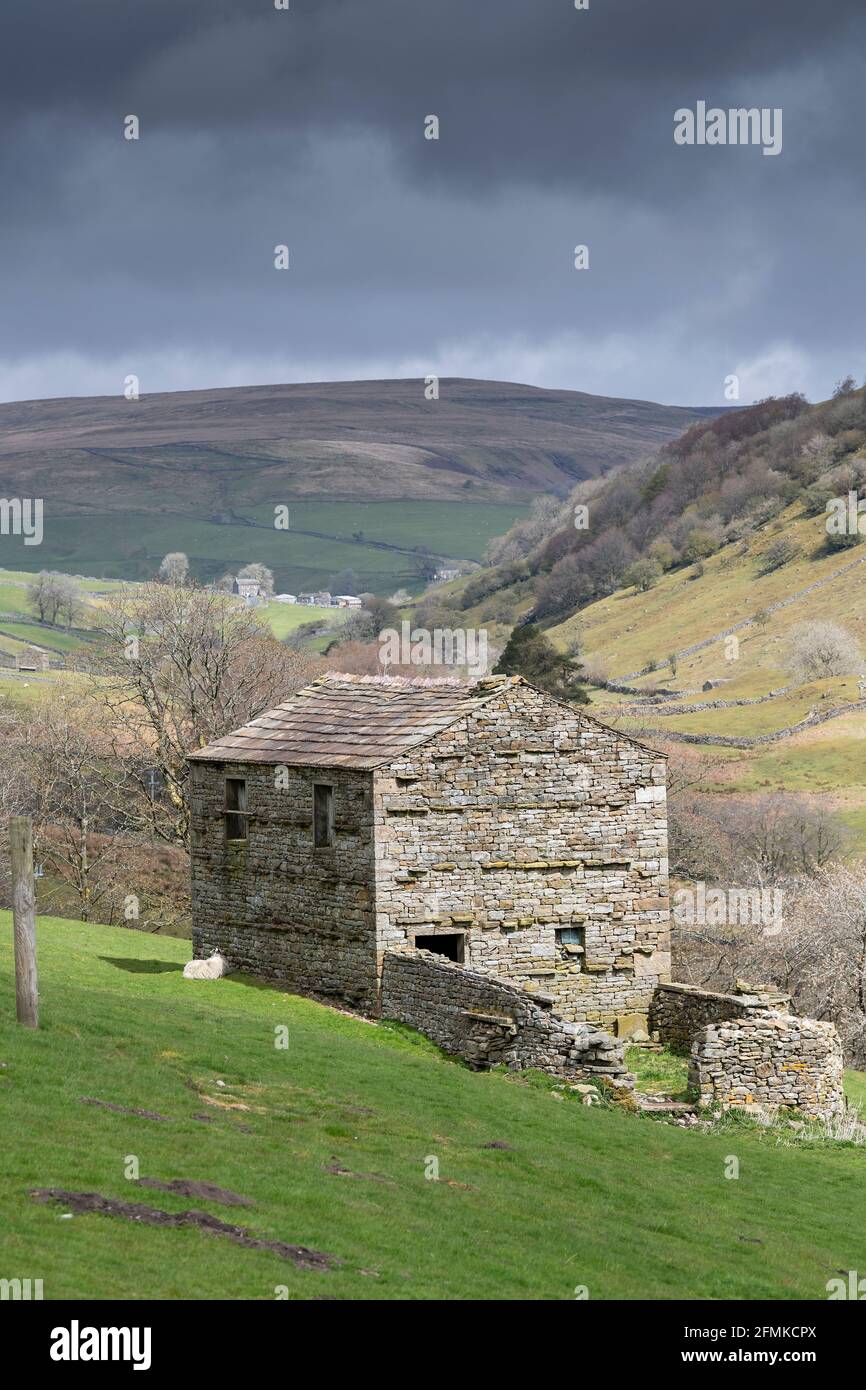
<point x="529" y="653"/>
<point x="346" y="581"/>
<point x="764" y="840"/>
<point x="642" y="575"/>
<point x="54" y="598"/>
<point x="721" y="481"/>
<point x="816" y="950"/>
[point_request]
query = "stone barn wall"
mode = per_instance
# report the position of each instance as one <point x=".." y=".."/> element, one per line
<point x="769" y="1059"/>
<point x="487" y="1022"/>
<point x="525" y="819"/>
<point x="679" y="1011"/>
<point x="274" y="905"/>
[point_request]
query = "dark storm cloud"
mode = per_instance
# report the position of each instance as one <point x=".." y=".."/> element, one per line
<point x="524" y="88"/>
<point x="305" y="126"/>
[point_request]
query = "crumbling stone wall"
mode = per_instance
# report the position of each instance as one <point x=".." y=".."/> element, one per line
<point x="488" y="1022"/>
<point x="772" y="1059"/>
<point x="273" y="904"/>
<point x="678" y="1011"/>
<point x="524" y="819"/>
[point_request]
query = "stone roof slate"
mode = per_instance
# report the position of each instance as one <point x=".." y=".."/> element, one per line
<point x="354" y="722"/>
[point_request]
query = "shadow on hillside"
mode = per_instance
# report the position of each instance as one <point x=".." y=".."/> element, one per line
<point x="141" y="967"/>
<point x="240" y="977"/>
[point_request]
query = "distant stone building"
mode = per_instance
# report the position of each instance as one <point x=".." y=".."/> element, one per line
<point x="248" y="589"/>
<point x="489" y="824"/>
<point x="32" y="659"/>
<point x="320" y="599"/>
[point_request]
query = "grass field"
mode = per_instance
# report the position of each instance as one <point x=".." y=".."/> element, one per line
<point x="130" y="546"/>
<point x="13" y="598"/>
<point x="57" y="639"/>
<point x="330" y="1139"/>
<point x="283" y="618"/>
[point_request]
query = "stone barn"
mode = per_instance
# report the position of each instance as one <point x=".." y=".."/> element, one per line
<point x="488" y="825"/>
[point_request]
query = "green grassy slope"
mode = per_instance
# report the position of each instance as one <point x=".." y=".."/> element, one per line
<point x="630" y="630"/>
<point x="625" y="1205"/>
<point x="131" y="545"/>
<point x="633" y="628"/>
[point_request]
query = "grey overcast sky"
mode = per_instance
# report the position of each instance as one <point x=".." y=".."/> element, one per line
<point x="409" y="256"/>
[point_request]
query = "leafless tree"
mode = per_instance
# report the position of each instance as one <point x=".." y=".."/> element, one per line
<point x="821" y="649"/>
<point x="819" y="956"/>
<point x="174" y="568"/>
<point x="57" y="769"/>
<point x="176" y="668"/>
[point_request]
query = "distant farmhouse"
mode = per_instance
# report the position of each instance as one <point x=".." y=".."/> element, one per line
<point x="248" y="589"/>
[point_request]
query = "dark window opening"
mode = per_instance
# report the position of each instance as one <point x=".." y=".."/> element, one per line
<point x="236" y="814"/>
<point x="570" y="936"/>
<point x="570" y="948"/>
<point x="448" y="944"/>
<point x="323" y="816"/>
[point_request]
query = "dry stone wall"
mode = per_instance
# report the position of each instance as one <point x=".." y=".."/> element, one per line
<point x="488" y="1022"/>
<point x="679" y="1011"/>
<point x="541" y="837"/>
<point x="770" y="1059"/>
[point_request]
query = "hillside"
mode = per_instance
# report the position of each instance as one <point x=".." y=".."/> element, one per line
<point x="758" y="697"/>
<point x="370" y="470"/>
<point x="724" y="533"/>
<point x="329" y="1140"/>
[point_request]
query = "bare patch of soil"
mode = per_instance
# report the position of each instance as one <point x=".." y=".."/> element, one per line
<point x="123" y="1109"/>
<point x="339" y="1171"/>
<point x="82" y="1203"/>
<point x="205" y="1191"/>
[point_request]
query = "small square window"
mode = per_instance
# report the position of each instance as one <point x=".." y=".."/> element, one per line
<point x="570" y="936"/>
<point x="235" y="813"/>
<point x="323" y="815"/>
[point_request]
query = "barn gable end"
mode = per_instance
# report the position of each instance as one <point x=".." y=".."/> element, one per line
<point x="529" y="842"/>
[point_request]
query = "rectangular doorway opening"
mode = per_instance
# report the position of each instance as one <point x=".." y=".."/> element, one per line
<point x="447" y="944"/>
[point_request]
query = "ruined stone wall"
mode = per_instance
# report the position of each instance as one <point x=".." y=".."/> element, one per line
<point x="488" y="1022"/>
<point x="679" y="1011"/>
<point x="769" y="1059"/>
<point x="274" y="905"/>
<point x="525" y="818"/>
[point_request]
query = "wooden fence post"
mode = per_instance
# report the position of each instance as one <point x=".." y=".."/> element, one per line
<point x="24" y="918"/>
